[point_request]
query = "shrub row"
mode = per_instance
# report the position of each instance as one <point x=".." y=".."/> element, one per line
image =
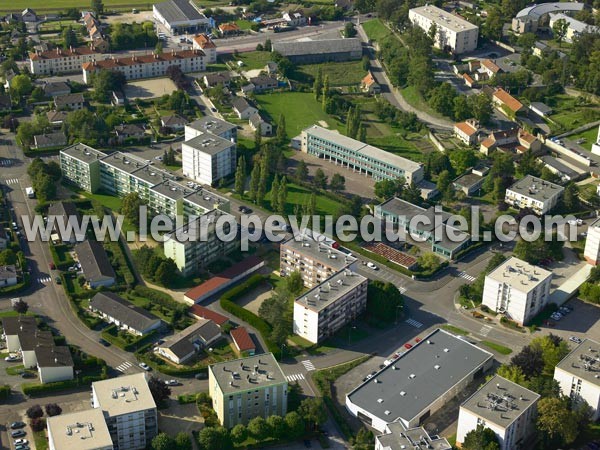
<point x="111" y="335"/>
<point x="17" y="287"/>
<point x="227" y="303"/>
<point x="33" y="389"/>
<point x="64" y="265"/>
<point x="158" y="364"/>
<point x="4" y="391"/>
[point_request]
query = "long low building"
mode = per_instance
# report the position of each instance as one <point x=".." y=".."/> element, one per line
<point x="58" y="61"/>
<point x="95" y="265"/>
<point x="148" y="66"/>
<point x="419" y="382"/>
<point x="180" y="16"/>
<point x="358" y="156"/>
<point x="319" y="51"/>
<point x="180" y="347"/>
<point x="124" y="314"/>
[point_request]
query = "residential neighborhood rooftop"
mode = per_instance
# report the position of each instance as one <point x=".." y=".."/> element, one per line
<point x="321" y="252"/>
<point x="519" y="274"/>
<point x="211" y="124"/>
<point x="536" y="188"/>
<point x="125" y="312"/>
<point x="81" y="430"/>
<point x="449" y="20"/>
<point x="330" y="290"/>
<point x="94" y="261"/>
<point x="209" y="143"/>
<point x="51" y="356"/>
<point x="583" y="362"/>
<point x="83" y="153"/>
<point x="248" y="373"/>
<point x="313" y="47"/>
<point x="124" y="394"/>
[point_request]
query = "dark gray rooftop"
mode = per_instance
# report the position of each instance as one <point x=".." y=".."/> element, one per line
<point x="317" y="47"/>
<point x="152" y="175"/>
<point x="39" y="338"/>
<point x="500" y="401"/>
<point x="209" y="143"/>
<point x="330" y="290"/>
<point x="558" y="165"/>
<point x="179" y="11"/>
<point x="211" y="124"/>
<point x="583" y="362"/>
<point x="50" y="139"/>
<point x="94" y="261"/>
<point x="216" y="78"/>
<point x="256" y="119"/>
<point x="467" y="180"/>
<point x="430" y="369"/>
<point x="536" y="188"/>
<point x="53" y="88"/>
<point x="181" y="343"/>
<point x="172" y="190"/>
<point x="124" y="162"/>
<point x="414" y="439"/>
<point x="54" y="357"/>
<point x="83" y="153"/>
<point x="249" y="373"/>
<point x="12" y="325"/>
<point x="125" y="312"/>
<point x="205" y="199"/>
<point x="241" y="104"/>
<point x="7" y="272"/>
<point x="322" y="253"/>
<point x="68" y="99"/>
<point x="541" y="107"/>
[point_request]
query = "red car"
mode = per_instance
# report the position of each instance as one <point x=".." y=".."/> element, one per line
<point x="407" y="346"/>
<point x="417" y="340"/>
<point x="52" y="266"/>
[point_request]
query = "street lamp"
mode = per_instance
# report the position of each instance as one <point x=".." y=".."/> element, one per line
<point x="349" y="330"/>
<point x="397" y="308"/>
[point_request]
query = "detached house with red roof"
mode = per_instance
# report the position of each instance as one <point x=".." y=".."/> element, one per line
<point x="369" y="84"/>
<point x="506" y="102"/>
<point x="467" y="131"/>
<point x="242" y="340"/>
<point x="204" y="43"/>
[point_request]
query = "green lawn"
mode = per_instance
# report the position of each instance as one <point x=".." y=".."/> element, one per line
<point x="455" y="330"/>
<point x="111" y="202"/>
<point x="298" y="195"/>
<point x="376" y="30"/>
<point x="41" y="442"/>
<point x="415" y="99"/>
<point x="497" y="347"/>
<point x="340" y="74"/>
<point x="243" y="24"/>
<point x="399" y="146"/>
<point x="252" y="60"/>
<point x="569" y="114"/>
<point x="589" y="136"/>
<point x="299" y="108"/>
<point x="60" y="5"/>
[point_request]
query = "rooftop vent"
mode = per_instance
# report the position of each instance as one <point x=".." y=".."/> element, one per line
<point x="387" y="413"/>
<point x="402" y="393"/>
<point x="379" y="400"/>
<point x="411" y="376"/>
<point x="446" y="350"/>
<point x="436" y="367"/>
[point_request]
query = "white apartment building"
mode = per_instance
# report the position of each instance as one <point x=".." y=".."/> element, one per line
<point x="577" y="375"/>
<point x="148" y="66"/>
<point x="206" y="44"/>
<point x="82" y="430"/>
<point x="506" y="408"/>
<point x="80" y="166"/>
<point x="322" y="311"/>
<point x="57" y="61"/>
<point x="213" y="125"/>
<point x="591" y="253"/>
<point x="518" y="289"/>
<point x="453" y="32"/>
<point x="207" y="158"/>
<point x="533" y="192"/>
<point x="129" y="410"/>
<point x="245" y="388"/>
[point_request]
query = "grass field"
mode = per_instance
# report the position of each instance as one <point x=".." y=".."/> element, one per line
<point x="243" y="24"/>
<point x="497" y="347"/>
<point x="399" y="146"/>
<point x="569" y="114"/>
<point x="340" y="74"/>
<point x="414" y="98"/>
<point x="376" y="30"/>
<point x="298" y="195"/>
<point x="61" y="5"/>
<point x="589" y="136"/>
<point x="299" y="108"/>
<point x="251" y="60"/>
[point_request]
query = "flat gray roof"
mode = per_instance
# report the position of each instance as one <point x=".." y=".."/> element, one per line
<point x="414" y="439"/>
<point x="211" y="124"/>
<point x="246" y="374"/>
<point x="536" y="188"/>
<point x="362" y="148"/>
<point x="500" y="401"/>
<point x="467" y="180"/>
<point x="583" y="362"/>
<point x="172" y="190"/>
<point x="558" y="165"/>
<point x="316" y="251"/>
<point x="574" y="24"/>
<point x="519" y="274"/>
<point x="152" y="175"/>
<point x="83" y="430"/>
<point x="209" y="143"/>
<point x="205" y="199"/>
<point x="174" y="11"/>
<point x="124" y="162"/>
<point x="330" y="290"/>
<point x="317" y="47"/>
<point x="125" y="394"/>
<point x="536" y="11"/>
<point x="83" y="153"/>
<point x="430" y="369"/>
<point x="444" y="19"/>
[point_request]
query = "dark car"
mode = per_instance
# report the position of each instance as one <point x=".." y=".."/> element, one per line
<point x="27" y="375"/>
<point x="18" y="424"/>
<point x="58" y="280"/>
<point x="104" y="342"/>
<point x="17" y="433"/>
<point x="200" y="376"/>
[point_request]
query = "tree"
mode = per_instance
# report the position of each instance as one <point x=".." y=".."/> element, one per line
<point x="258" y="137"/>
<point x="215" y="438"/>
<point x="130" y="207"/>
<point x="239" y="433"/>
<point x="294" y="283"/>
<point x="34" y="412"/>
<point x="318" y="83"/>
<point x="301" y="172"/>
<point x="557" y="420"/>
<point x="429" y="261"/>
<point x="338" y="182"/>
<point x="268" y="47"/>
<point x="159" y="390"/>
<point x="21" y="85"/>
<point x="258" y="428"/>
<point x="106" y="81"/>
<point x="282" y="196"/>
<point x="384" y="302"/>
<point x="166" y="272"/>
<point x="349" y="30"/>
<point x="274" y="194"/>
<point x="8" y="257"/>
<point x="570" y="200"/>
<point x="69" y="37"/>
<point x="254" y="181"/>
<point x="183" y="441"/>
<point x="38" y="424"/>
<point x="481" y="107"/>
<point x="277" y="426"/>
<point x="325" y="93"/>
<point x="240" y="176"/>
<point x="281" y="133"/>
<point x="444" y="185"/>
<point x="386" y="189"/>
<point x="158" y="48"/>
<point x="162" y="441"/>
<point x="295" y="424"/>
<point x="442" y="98"/>
<point x="52" y="409"/>
<point x="512" y="373"/>
<point x="559" y="29"/>
<point x="21" y="306"/>
<point x="529" y="361"/>
<point x="97" y="7"/>
<point x="481" y="438"/>
<point x="320" y="179"/>
<point x="262" y="182"/>
<point x="313" y="412"/>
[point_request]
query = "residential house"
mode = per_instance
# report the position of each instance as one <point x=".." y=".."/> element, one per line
<point x="204" y="43"/>
<point x="369" y="84"/>
<point x="467" y="131"/>
<point x="541" y="109"/>
<point x="56" y="118"/>
<point x="271" y="68"/>
<point x="183" y="345"/>
<point x="256" y="121"/>
<point x="506" y="102"/>
<point x="469" y="183"/>
<point x="211" y="79"/>
<point x="69" y="101"/>
<point x="64" y="215"/>
<point x="469" y="81"/>
<point x="294" y="19"/>
<point x="29" y="15"/>
<point x="54" y="364"/>
<point x="53" y="89"/>
<point x="202" y="312"/>
<point x="96" y="267"/>
<point x="242" y="340"/>
<point x="117" y="98"/>
<point x="8" y="275"/>
<point x="131" y="131"/>
<point x="264" y="83"/>
<point x="49" y="140"/>
<point x="243" y="108"/>
<point x="490" y="68"/>
<point x="174" y="122"/>
<point x="125" y="315"/>
<point x="228" y="29"/>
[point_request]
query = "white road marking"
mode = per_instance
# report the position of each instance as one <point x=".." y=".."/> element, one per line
<point x="44" y="280"/>
<point x="308" y="365"/>
<point x="466" y="276"/>
<point x="485" y="330"/>
<point x="414" y="323"/>
<point x="123" y="367"/>
<point x="11" y="181"/>
<point x="295" y="377"/>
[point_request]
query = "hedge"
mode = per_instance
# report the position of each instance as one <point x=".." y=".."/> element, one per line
<point x="161" y="366"/>
<point x="56" y="259"/>
<point x="33" y="389"/>
<point x="227" y="303"/>
<point x="111" y="335"/>
<point x="4" y="391"/>
<point x="17" y="287"/>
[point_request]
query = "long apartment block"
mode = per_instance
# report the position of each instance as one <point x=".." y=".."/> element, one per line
<point x="358" y="156"/>
<point x="322" y="311"/>
<point x="59" y="60"/>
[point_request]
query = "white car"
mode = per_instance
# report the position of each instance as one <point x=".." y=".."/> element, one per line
<point x="145" y="366"/>
<point x="21" y="442"/>
<point x="11" y="358"/>
<point x="172" y="382"/>
<point x="370" y="265"/>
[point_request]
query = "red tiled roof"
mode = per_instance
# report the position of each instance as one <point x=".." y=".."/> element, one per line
<point x="490" y="65"/>
<point x="466" y="128"/>
<point x="468" y="78"/>
<point x="229" y="27"/>
<point x="526" y="136"/>
<point x="111" y="63"/>
<point x="204" y="41"/>
<point x="508" y="100"/>
<point x="202" y="312"/>
<point x="60" y="53"/>
<point x="242" y="339"/>
<point x="488" y="142"/>
<point x="368" y="80"/>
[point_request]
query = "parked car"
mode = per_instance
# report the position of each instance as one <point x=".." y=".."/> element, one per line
<point x="17" y="433"/>
<point x="17" y="424"/>
<point x="201" y="376"/>
<point x="370" y="265"/>
<point x="145" y="366"/>
<point x="22" y="447"/>
<point x="27" y="375"/>
<point x="52" y="266"/>
<point x="57" y="280"/>
<point x="172" y="382"/>
<point x="407" y="346"/>
<point x="104" y="342"/>
<point x="11" y="358"/>
<point x="21" y="442"/>
<point x="575" y="339"/>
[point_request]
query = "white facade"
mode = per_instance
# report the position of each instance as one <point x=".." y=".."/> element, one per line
<point x="208" y="158"/>
<point x="518" y="289"/>
<point x="62" y="61"/>
<point x="180" y="16"/>
<point x="453" y="32"/>
<point x="591" y="252"/>
<point x="532" y="192"/>
<point x="52" y="374"/>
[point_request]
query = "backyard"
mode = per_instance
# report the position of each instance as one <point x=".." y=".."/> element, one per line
<point x="572" y="112"/>
<point x="340" y="74"/>
<point x="252" y="60"/>
<point x="590" y="137"/>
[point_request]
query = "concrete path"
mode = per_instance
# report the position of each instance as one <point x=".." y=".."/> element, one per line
<point x="566" y="290"/>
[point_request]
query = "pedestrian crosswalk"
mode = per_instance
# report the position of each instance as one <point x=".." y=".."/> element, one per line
<point x="295" y="377"/>
<point x="414" y="323"/>
<point x="485" y="330"/>
<point x="402" y="289"/>
<point x="44" y="280"/>
<point x="308" y="365"/>
<point x="123" y="367"/>
<point x="466" y="276"/>
<point x="12" y="181"/>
